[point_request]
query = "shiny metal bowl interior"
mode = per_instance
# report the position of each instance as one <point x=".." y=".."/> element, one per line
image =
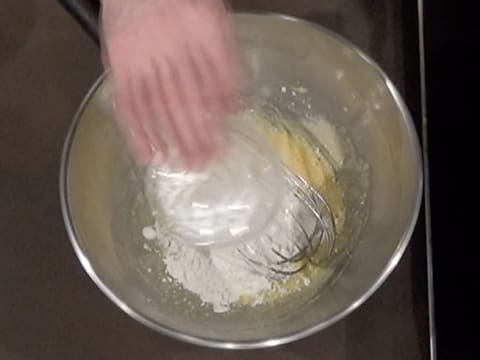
<point x="98" y="188"/>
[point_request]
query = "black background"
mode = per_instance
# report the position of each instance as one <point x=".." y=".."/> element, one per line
<point x="452" y="45"/>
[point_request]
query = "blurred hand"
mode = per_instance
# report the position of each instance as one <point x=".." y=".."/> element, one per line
<point x="175" y="75"/>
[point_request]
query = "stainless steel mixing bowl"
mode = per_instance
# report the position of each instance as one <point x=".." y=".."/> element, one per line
<point x="99" y="189"/>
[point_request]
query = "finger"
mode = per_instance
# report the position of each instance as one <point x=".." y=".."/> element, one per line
<point x="208" y="81"/>
<point x="188" y="120"/>
<point x="223" y="78"/>
<point x="227" y="44"/>
<point x="145" y="99"/>
<point x="188" y="86"/>
<point x="222" y="105"/>
<point x="230" y="44"/>
<point x="129" y="122"/>
<point x="201" y="25"/>
<point x="200" y="107"/>
<point x="173" y="117"/>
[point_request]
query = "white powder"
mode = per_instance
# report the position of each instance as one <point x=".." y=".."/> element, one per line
<point x="222" y="276"/>
<point x="214" y="277"/>
<point x="149" y="233"/>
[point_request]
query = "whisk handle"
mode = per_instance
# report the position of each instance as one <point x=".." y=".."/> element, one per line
<point x="86" y="12"/>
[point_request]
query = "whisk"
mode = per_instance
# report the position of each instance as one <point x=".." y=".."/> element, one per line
<point x="248" y="205"/>
<point x="300" y="235"/>
<point x="294" y="239"/>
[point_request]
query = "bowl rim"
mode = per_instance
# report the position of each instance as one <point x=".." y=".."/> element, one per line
<point x="254" y="344"/>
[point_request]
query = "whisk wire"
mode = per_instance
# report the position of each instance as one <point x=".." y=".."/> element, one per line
<point x="311" y="232"/>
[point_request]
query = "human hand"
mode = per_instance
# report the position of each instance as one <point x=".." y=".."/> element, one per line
<point x="175" y="75"/>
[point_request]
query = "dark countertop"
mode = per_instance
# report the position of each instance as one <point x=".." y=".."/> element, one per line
<point x="49" y="308"/>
